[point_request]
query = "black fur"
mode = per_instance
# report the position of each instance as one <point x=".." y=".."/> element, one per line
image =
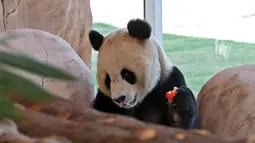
<point x="96" y="39"/>
<point x="139" y="29"/>
<point x="107" y="81"/>
<point x="128" y="76"/>
<point x="156" y="108"/>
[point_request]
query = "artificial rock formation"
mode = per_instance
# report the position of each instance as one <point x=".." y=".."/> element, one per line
<point x="48" y="48"/>
<point x="69" y="19"/>
<point x="226" y="103"/>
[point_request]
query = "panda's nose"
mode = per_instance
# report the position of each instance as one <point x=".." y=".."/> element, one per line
<point x="120" y="99"/>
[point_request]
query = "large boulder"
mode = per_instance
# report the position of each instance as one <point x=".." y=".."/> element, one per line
<point x="226" y="102"/>
<point x="70" y="20"/>
<point x="53" y="50"/>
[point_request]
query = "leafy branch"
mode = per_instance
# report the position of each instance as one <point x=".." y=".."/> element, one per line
<point x="20" y="86"/>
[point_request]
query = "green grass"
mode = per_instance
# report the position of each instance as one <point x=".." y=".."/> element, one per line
<point x="196" y="57"/>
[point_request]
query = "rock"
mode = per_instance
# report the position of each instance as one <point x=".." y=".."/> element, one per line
<point x="70" y="19"/>
<point x="53" y="50"/>
<point x="226" y="102"/>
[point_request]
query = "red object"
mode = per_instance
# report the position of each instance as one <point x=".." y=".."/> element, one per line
<point x="170" y="94"/>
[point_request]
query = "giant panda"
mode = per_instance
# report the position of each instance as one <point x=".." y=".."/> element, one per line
<point x="134" y="74"/>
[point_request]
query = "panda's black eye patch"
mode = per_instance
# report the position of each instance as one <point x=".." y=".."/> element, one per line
<point x="128" y="75"/>
<point x="107" y="81"/>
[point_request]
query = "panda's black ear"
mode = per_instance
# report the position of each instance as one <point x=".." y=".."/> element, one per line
<point x="139" y="29"/>
<point x="96" y="39"/>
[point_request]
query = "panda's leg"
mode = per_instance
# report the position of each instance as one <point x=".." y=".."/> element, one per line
<point x="185" y="105"/>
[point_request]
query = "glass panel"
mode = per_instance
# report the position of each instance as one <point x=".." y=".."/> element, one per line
<point x="203" y="37"/>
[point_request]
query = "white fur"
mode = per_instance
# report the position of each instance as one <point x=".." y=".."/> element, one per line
<point x="146" y="58"/>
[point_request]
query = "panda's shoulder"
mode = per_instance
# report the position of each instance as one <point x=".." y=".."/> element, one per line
<point x="175" y="78"/>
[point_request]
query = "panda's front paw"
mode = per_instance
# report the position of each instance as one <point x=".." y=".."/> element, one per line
<point x="185" y="106"/>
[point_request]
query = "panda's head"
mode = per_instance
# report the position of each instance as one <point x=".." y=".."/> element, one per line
<point x="130" y="62"/>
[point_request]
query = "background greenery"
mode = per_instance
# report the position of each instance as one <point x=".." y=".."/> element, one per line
<point x="196" y="57"/>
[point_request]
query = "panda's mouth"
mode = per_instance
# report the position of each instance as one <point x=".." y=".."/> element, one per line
<point x="128" y="105"/>
<point x="133" y="102"/>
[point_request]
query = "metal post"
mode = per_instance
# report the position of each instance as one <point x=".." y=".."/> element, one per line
<point x="153" y="14"/>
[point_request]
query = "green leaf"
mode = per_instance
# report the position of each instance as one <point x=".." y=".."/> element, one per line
<point x="10" y="82"/>
<point x="7" y="109"/>
<point x="31" y="65"/>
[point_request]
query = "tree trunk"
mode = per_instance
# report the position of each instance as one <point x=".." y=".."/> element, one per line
<point x="86" y="125"/>
<point x="97" y="127"/>
<point x="71" y="20"/>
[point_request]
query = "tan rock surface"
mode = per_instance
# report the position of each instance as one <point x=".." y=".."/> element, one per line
<point x="226" y="102"/>
<point x="53" y="50"/>
<point x="70" y="19"/>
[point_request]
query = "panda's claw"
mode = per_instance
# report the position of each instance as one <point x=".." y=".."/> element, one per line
<point x="185" y="105"/>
